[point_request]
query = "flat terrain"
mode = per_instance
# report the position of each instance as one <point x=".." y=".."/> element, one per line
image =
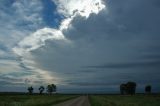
<point x="125" y="100"/>
<point x="79" y="101"/>
<point x="33" y="100"/>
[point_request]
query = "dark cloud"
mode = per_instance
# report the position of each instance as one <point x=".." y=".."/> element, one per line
<point x="123" y="20"/>
<point x="92" y="84"/>
<point x="4" y="83"/>
<point x="129" y="65"/>
<point x="8" y="80"/>
<point x="122" y="36"/>
<point x="117" y="45"/>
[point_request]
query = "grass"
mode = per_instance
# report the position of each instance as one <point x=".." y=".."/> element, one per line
<point x="33" y="100"/>
<point x="95" y="100"/>
<point x="126" y="100"/>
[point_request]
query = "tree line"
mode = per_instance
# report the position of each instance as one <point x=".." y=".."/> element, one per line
<point x="130" y="88"/>
<point x="50" y="89"/>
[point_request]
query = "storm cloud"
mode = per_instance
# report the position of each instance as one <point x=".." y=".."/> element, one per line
<point x="104" y="45"/>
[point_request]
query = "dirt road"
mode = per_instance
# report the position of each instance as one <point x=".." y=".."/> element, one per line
<point x="80" y="101"/>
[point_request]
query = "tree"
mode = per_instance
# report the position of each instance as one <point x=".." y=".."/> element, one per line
<point x="51" y="88"/>
<point x="30" y="90"/>
<point x="41" y="89"/>
<point x="128" y="88"/>
<point x="148" y="89"/>
<point x="123" y="89"/>
<point x="131" y="88"/>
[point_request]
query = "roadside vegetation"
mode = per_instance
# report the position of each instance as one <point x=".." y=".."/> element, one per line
<point x="126" y="97"/>
<point x="33" y="100"/>
<point x="125" y="100"/>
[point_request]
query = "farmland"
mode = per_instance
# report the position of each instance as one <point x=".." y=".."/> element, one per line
<point x="125" y="100"/>
<point x="32" y="100"/>
<point x="79" y="100"/>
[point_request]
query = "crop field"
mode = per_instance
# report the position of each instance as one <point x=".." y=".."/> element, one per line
<point x="33" y="100"/>
<point x="125" y="100"/>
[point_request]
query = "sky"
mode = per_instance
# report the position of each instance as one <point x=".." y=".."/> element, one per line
<point x="87" y="46"/>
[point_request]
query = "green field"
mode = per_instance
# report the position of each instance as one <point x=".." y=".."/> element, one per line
<point x="95" y="100"/>
<point x="33" y="100"/>
<point x="124" y="100"/>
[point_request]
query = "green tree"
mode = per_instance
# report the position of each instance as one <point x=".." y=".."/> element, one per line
<point x="131" y="88"/>
<point x="41" y="89"/>
<point x="123" y="89"/>
<point x="51" y="88"/>
<point x="30" y="90"/>
<point x="148" y="89"/>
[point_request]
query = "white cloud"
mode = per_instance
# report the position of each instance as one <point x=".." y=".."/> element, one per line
<point x="13" y="66"/>
<point x="37" y="39"/>
<point x="29" y="12"/>
<point x="90" y="36"/>
<point x="19" y="18"/>
<point x="34" y="41"/>
<point x="98" y="39"/>
<point x="83" y="7"/>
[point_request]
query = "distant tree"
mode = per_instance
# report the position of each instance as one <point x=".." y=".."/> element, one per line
<point x="128" y="88"/>
<point x="30" y="90"/>
<point x="41" y="89"/>
<point x="131" y="88"/>
<point x="51" y="88"/>
<point x="148" y="89"/>
<point x="123" y="89"/>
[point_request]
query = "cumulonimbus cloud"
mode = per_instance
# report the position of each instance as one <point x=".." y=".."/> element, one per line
<point x="69" y="9"/>
<point x="82" y="7"/>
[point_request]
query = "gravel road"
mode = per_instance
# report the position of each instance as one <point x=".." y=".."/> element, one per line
<point x="79" y="101"/>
